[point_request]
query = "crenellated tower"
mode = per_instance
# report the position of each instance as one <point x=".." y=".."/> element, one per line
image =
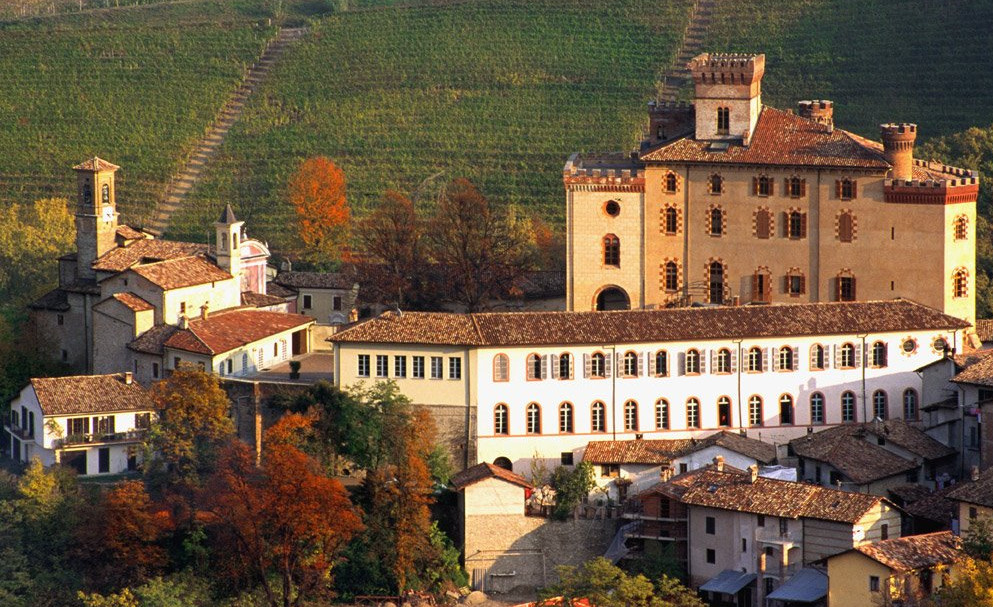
<point x="96" y="213"/>
<point x="898" y="147"/>
<point x="728" y="92"/>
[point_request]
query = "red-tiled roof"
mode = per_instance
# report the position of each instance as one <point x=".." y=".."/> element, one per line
<point x="89" y="394"/>
<point x="95" y="164"/>
<point x="153" y="340"/>
<point x="315" y="280"/>
<point x="978" y="369"/>
<point x="278" y="290"/>
<point x="132" y="301"/>
<point x="913" y="552"/>
<point x="179" y="273"/>
<point x="984" y="329"/>
<point x="258" y="300"/>
<point x="483" y="471"/>
<point x="146" y="251"/>
<point x="859" y="460"/>
<point x="780" y="138"/>
<point x="662" y="452"/>
<point x="978" y="492"/>
<point x="226" y="330"/>
<point x="633" y="326"/>
<point x="128" y="233"/>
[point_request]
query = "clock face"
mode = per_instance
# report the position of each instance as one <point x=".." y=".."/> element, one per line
<point x="108" y="212"/>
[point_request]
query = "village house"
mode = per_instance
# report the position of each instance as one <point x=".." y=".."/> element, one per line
<point x="951" y="405"/>
<point x="129" y="302"/>
<point x="94" y="424"/>
<point x="972" y="499"/>
<point x="327" y="296"/>
<point x="728" y="200"/>
<point x="543" y="385"/>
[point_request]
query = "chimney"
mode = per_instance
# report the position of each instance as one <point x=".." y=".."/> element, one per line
<point x="184" y="321"/>
<point x="128" y="378"/>
<point x="898" y="148"/>
<point x="353" y="316"/>
<point x="204" y="311"/>
<point x="719" y="463"/>
<point x="665" y="473"/>
<point x="974" y="473"/>
<point x="753" y="473"/>
<point x="820" y="111"/>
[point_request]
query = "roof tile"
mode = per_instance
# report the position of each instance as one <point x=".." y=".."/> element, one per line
<point x="913" y="552"/>
<point x="90" y="394"/>
<point x="182" y="272"/>
<point x="483" y="471"/>
<point x="226" y="330"/>
<point x="146" y="251"/>
<point x="662" y="452"/>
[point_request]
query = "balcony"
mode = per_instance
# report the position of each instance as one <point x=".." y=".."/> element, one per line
<point x="19" y="432"/>
<point x="787" y="540"/>
<point x="100" y="438"/>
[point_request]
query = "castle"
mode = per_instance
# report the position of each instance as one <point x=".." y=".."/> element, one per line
<point x="729" y="201"/>
<point x="127" y="302"/>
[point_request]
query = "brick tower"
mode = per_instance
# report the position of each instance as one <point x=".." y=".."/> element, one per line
<point x="728" y="95"/>
<point x="96" y="213"/>
<point x="898" y="147"/>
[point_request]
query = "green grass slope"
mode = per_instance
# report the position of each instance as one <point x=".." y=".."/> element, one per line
<point x="138" y="87"/>
<point x="499" y="91"/>
<point x="880" y="61"/>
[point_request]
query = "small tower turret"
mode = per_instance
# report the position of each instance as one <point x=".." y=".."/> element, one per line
<point x="820" y="111"/>
<point x="728" y="95"/>
<point x="228" y="248"/>
<point x="96" y="213"/>
<point x="898" y="147"/>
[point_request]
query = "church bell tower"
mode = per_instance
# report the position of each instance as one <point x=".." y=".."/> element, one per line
<point x="96" y="213"/>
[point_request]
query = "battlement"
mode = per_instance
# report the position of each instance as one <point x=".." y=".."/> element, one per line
<point x="668" y="107"/>
<point x="904" y="131"/>
<point x="820" y="111"/>
<point x="607" y="173"/>
<point x="943" y="185"/>
<point x="727" y="68"/>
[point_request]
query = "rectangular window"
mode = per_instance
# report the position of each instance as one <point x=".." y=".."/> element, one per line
<point x="78" y="426"/>
<point x="711" y="525"/>
<point x="454" y="367"/>
<point x="61" y="319"/>
<point x="711" y="555"/>
<point x="760" y="520"/>
<point x="436" y="362"/>
<point x="363" y="365"/>
<point x="418" y="367"/>
<point x="610" y="470"/>
<point x="182" y="307"/>
<point x="873" y="583"/>
<point x="399" y="366"/>
<point x="846" y="288"/>
<point x="566" y="458"/>
<point x="683" y="468"/>
<point x="230" y="365"/>
<point x="175" y="362"/>
<point x="784" y="527"/>
<point x="155" y="370"/>
<point x="308" y="302"/>
<point x="336" y="303"/>
<point x="382" y="365"/>
<point x="103" y="457"/>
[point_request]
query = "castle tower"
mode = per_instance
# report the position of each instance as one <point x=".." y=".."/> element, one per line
<point x="898" y="147"/>
<point x="228" y="251"/>
<point x="820" y="111"/>
<point x="728" y="95"/>
<point x="96" y="213"/>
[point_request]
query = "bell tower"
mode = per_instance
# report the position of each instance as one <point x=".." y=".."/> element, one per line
<point x="228" y="251"/>
<point x="96" y="213"/>
<point x="728" y="91"/>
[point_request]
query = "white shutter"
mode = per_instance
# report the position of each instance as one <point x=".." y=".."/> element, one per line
<point x="775" y="358"/>
<point x="796" y="358"/>
<point x="703" y="361"/>
<point x="572" y="367"/>
<point x="587" y="365"/>
<point x="544" y="366"/>
<point x="734" y="360"/>
<point x="837" y="356"/>
<point x="641" y="363"/>
<point x="765" y="358"/>
<point x="608" y="362"/>
<point x="651" y="363"/>
<point x="554" y="362"/>
<point x="858" y="355"/>
<point x="682" y="363"/>
<point x="713" y="360"/>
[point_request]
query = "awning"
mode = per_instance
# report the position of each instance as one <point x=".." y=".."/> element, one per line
<point x="807" y="586"/>
<point x="728" y="581"/>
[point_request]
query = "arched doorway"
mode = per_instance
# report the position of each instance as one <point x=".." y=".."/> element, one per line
<point x="503" y="462"/>
<point x="612" y="298"/>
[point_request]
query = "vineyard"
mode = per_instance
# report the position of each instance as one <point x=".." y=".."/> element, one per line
<point x="138" y="87"/>
<point x="497" y="91"/>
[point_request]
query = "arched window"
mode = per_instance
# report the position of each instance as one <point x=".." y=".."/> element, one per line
<point x="692" y="413"/>
<point x="715" y="221"/>
<point x="565" y="418"/>
<point x="755" y="359"/>
<point x="879" y="404"/>
<point x="724" y="412"/>
<point x="670" y="182"/>
<point x="961" y="227"/>
<point x="797" y="225"/>
<point x="818" y="358"/>
<point x="631" y="416"/>
<point x="671" y="220"/>
<point x="661" y="414"/>
<point x="960" y="283"/>
<point x="817" y="408"/>
<point x="715" y="185"/>
<point x="630" y="364"/>
<point x="534" y="418"/>
<point x="910" y="410"/>
<point x="661" y="364"/>
<point x="692" y="361"/>
<point x="764" y="185"/>
<point x="723" y="121"/>
<point x="598" y="365"/>
<point x="846" y="226"/>
<point x="716" y="282"/>
<point x="534" y="367"/>
<point x="723" y="361"/>
<point x="786" y="410"/>
<point x="671" y="276"/>
<point x="879" y="354"/>
<point x="105" y="193"/>
<point x="565" y="366"/>
<point x="848" y="406"/>
<point x="503" y="462"/>
<point x="598" y="417"/>
<point x="786" y="359"/>
<point x="755" y="417"/>
<point x="797" y="187"/>
<point x="847" y="356"/>
<point x="763" y="223"/>
<point x="500" y="420"/>
<point x="501" y="368"/>
<point x="611" y="250"/>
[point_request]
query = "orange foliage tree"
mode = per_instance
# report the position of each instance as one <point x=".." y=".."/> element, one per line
<point x="390" y="237"/>
<point x="281" y="524"/>
<point x="317" y="192"/>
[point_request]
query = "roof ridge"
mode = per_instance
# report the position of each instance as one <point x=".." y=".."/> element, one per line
<point x="200" y="339"/>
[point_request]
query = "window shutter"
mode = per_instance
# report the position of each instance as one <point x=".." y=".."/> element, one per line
<point x="544" y="366"/>
<point x="803" y="189"/>
<point x="572" y="367"/>
<point x="803" y="225"/>
<point x="765" y="358"/>
<point x="786" y="184"/>
<point x="855" y="189"/>
<point x="837" y="356"/>
<point x="554" y="359"/>
<point x="772" y="186"/>
<point x="608" y="363"/>
<point x="755" y="185"/>
<point x="854" y="292"/>
<point x="837" y="288"/>
<point x="837" y="188"/>
<point x="703" y="361"/>
<point x="786" y="224"/>
<point x="682" y="363"/>
<point x="713" y="360"/>
<point x="587" y="365"/>
<point x="734" y="360"/>
<point x="651" y="363"/>
<point x="641" y="364"/>
<point x="858" y="355"/>
<point x="886" y="354"/>
<point x="796" y="358"/>
<point x="775" y="359"/>
<point x="803" y="284"/>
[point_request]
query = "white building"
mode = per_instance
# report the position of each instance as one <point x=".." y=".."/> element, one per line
<point x="94" y="424"/>
<point x="544" y="384"/>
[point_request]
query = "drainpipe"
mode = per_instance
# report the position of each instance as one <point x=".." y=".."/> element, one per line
<point x="613" y="390"/>
<point x="741" y="419"/>
<point x="865" y="405"/>
<point x="468" y="408"/>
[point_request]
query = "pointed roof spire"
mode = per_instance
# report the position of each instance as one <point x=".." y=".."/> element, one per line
<point x="95" y="164"/>
<point x="227" y="217"/>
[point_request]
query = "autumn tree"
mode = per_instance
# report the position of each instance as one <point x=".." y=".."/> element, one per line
<point x="282" y="523"/>
<point x="32" y="236"/>
<point x="317" y="193"/>
<point x="549" y="244"/>
<point x="605" y="585"/>
<point x="476" y="246"/>
<point x="390" y="237"/>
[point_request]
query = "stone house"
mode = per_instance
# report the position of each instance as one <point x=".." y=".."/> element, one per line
<point x="972" y="499"/>
<point x="329" y="297"/>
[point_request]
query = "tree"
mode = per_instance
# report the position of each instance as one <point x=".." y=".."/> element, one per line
<point x="317" y="192"/>
<point x="192" y="426"/>
<point x="390" y="237"/>
<point x="606" y="585"/>
<point x="549" y="245"/>
<point x="32" y="236"/>
<point x="476" y="246"/>
<point x="571" y="486"/>
<point x="971" y="587"/>
<point x="283" y="523"/>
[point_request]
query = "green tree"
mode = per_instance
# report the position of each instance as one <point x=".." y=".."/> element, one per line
<point x="606" y="585"/>
<point x="978" y="540"/>
<point x="571" y="486"/>
<point x="971" y="587"/>
<point x="32" y="236"/>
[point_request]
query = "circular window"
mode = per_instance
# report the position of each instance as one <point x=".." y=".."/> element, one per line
<point x="909" y="345"/>
<point x="940" y="344"/>
<point x="612" y="208"/>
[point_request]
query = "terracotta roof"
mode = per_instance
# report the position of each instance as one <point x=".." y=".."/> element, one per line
<point x="226" y="330"/>
<point x="315" y="280"/>
<point x="145" y="251"/>
<point x="278" y="290"/>
<point x="56" y="300"/>
<point x="89" y="394"/>
<point x="780" y="138"/>
<point x="935" y="506"/>
<point x="978" y="492"/>
<point x="95" y="164"/>
<point x="182" y="272"/>
<point x="664" y="451"/>
<point x="734" y="490"/>
<point x="859" y="460"/>
<point x="978" y="369"/>
<point x="132" y="301"/>
<point x="984" y="329"/>
<point x="909" y="437"/>
<point x="259" y="300"/>
<point x="483" y="471"/>
<point x="128" y="233"/>
<point x="913" y="552"/>
<point x="632" y="326"/>
<point x="153" y="340"/>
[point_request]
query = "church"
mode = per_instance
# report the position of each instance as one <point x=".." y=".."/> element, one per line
<point x="728" y="202"/>
<point x="128" y="302"/>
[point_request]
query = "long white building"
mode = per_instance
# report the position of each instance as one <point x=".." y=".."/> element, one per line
<point x="544" y="384"/>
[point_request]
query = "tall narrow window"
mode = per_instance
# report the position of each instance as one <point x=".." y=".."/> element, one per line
<point x="723" y="361"/>
<point x="846" y="189"/>
<point x="670" y="182"/>
<point x="501" y="368"/>
<point x="723" y="121"/>
<point x="565" y="418"/>
<point x="797" y="187"/>
<point x="786" y="410"/>
<point x="715" y="185"/>
<point x="846" y="288"/>
<point x="960" y="283"/>
<point x="961" y="227"/>
<point x="763" y="223"/>
<point x="755" y="417"/>
<point x="692" y="413"/>
<point x="786" y="359"/>
<point x="598" y="367"/>
<point x="661" y="414"/>
<point x="535" y="367"/>
<point x="500" y="420"/>
<point x="716" y="282"/>
<point x="879" y="404"/>
<point x="724" y="412"/>
<point x="846" y="226"/>
<point x="762" y="286"/>
<point x="848" y="406"/>
<point x="817" y="408"/>
<point x="910" y="410"/>
<point x="671" y="220"/>
<point x="611" y="250"/>
<point x="763" y="185"/>
<point x="715" y="219"/>
<point x="565" y="366"/>
<point x="755" y="359"/>
<point x="630" y="368"/>
<point x="631" y="416"/>
<point x="598" y="417"/>
<point x="796" y="282"/>
<point x="847" y="359"/>
<point x="671" y="276"/>
<point x="818" y="358"/>
<point x="797" y="225"/>
<point x="692" y="361"/>
<point x="879" y="354"/>
<point x="534" y="418"/>
<point x="661" y="364"/>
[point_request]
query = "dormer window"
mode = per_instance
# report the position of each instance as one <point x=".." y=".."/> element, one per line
<point x="723" y="121"/>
